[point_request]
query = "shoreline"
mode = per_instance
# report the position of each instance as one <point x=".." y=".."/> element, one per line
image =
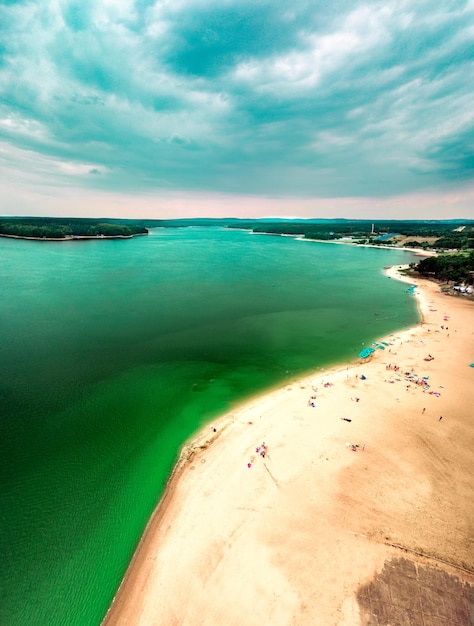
<point x="72" y="237"/>
<point x="176" y="545"/>
<point x="416" y="251"/>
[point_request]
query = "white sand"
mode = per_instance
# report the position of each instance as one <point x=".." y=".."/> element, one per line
<point x="290" y="539"/>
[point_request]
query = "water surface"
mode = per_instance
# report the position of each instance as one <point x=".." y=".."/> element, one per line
<point x="112" y="353"/>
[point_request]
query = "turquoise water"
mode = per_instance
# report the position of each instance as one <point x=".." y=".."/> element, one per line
<point x="112" y="353"/>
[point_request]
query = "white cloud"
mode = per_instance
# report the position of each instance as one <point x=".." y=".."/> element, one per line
<point x="26" y="165"/>
<point x="385" y="87"/>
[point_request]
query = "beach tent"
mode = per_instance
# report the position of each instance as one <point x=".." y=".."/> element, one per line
<point x="365" y="353"/>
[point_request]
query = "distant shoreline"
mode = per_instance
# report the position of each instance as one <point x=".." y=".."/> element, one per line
<point x="72" y="237"/>
<point x="416" y="251"/>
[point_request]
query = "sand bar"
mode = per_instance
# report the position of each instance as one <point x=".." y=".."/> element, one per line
<point x="356" y="473"/>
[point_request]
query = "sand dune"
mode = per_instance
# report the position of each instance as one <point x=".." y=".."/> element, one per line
<point x="377" y="469"/>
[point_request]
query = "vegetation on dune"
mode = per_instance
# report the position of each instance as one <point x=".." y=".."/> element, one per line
<point x="456" y="240"/>
<point x="458" y="268"/>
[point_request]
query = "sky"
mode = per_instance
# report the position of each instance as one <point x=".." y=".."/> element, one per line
<point x="244" y="108"/>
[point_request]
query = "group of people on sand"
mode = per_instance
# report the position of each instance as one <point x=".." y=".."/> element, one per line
<point x="261" y="450"/>
<point x="416" y="380"/>
<point x="312" y="401"/>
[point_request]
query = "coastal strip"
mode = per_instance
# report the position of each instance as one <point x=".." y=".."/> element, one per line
<point x="72" y="237"/>
<point x="285" y="508"/>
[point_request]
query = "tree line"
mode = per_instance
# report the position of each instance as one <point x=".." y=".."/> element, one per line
<point x="457" y="268"/>
<point x="449" y="234"/>
<point x="51" y="228"/>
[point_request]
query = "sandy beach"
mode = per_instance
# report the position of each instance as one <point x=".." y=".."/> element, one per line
<point x="293" y="508"/>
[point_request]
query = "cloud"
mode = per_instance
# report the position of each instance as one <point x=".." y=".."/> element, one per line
<point x="301" y="100"/>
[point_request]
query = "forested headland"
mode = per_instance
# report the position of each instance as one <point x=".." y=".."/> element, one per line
<point x="51" y="228"/>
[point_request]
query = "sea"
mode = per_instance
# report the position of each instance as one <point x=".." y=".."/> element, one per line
<point x="113" y="353"/>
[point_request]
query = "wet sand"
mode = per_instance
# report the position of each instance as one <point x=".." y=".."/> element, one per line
<point x="377" y="469"/>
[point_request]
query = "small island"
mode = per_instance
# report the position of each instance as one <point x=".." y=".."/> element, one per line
<point x="67" y="229"/>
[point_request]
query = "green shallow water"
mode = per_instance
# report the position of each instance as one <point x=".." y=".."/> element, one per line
<point x="113" y="353"/>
